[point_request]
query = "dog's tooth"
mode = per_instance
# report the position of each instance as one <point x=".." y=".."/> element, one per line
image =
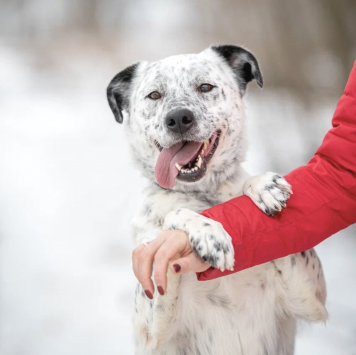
<point x="178" y="166"/>
<point x="199" y="162"/>
<point x="202" y="151"/>
<point x="205" y="146"/>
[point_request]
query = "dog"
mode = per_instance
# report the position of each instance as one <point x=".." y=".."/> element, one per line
<point x="185" y="121"/>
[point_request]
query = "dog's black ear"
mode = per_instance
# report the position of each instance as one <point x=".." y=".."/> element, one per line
<point x="118" y="91"/>
<point x="243" y="63"/>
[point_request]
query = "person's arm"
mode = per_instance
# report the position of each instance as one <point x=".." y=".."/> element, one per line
<point x="323" y="203"/>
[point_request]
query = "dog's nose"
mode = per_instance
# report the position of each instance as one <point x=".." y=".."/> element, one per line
<point x="179" y="120"/>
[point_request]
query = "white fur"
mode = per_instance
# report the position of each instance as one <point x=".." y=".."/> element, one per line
<point x="252" y="312"/>
<point x="269" y="192"/>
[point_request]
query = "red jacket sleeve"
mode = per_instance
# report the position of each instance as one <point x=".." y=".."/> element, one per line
<point x="323" y="203"/>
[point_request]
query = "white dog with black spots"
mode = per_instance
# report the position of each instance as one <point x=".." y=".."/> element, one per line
<point x="184" y="117"/>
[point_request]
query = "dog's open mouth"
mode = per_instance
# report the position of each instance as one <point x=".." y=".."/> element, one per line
<point x="185" y="161"/>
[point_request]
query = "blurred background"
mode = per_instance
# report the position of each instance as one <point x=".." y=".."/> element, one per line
<point x="67" y="187"/>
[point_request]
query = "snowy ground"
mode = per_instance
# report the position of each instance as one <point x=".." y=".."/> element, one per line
<point x="68" y="191"/>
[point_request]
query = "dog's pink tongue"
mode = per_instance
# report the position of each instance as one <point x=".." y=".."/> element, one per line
<point x="165" y="170"/>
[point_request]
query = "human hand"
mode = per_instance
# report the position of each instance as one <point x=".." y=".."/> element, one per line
<point x="171" y="246"/>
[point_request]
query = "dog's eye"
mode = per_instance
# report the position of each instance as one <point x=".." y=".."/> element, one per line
<point x="155" y="95"/>
<point x="205" y="87"/>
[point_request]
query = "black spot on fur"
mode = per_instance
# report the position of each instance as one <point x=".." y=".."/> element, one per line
<point x="147" y="210"/>
<point x="217" y="246"/>
<point x="223" y="94"/>
<point x="293" y="260"/>
<point x="270" y="187"/>
<point x="160" y="307"/>
<point x="219" y="301"/>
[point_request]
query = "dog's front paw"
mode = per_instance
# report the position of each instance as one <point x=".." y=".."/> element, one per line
<point x="269" y="192"/>
<point x="208" y="238"/>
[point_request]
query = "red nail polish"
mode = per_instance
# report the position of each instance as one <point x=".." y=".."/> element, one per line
<point x="148" y="294"/>
<point x="176" y="267"/>
<point x="160" y="290"/>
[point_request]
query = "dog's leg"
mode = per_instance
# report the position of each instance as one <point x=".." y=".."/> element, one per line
<point x="302" y="291"/>
<point x="153" y="319"/>
<point x="269" y="192"/>
<point x="286" y="328"/>
<point x="208" y="238"/>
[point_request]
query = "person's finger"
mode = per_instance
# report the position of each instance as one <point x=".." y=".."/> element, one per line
<point x="135" y="255"/>
<point x="178" y="243"/>
<point x="188" y="263"/>
<point x="144" y="264"/>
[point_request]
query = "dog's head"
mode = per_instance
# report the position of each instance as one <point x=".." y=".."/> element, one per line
<point x="185" y="115"/>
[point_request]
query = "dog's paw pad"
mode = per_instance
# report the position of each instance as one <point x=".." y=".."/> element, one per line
<point x="270" y="192"/>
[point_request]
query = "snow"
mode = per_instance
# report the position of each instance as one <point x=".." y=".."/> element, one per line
<point x="68" y="191"/>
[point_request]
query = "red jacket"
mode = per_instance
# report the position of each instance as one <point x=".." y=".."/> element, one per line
<point x="323" y="203"/>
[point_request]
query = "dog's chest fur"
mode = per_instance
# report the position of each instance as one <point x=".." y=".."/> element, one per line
<point x="223" y="316"/>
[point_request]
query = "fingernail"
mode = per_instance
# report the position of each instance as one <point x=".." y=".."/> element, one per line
<point x="176" y="268"/>
<point x="160" y="290"/>
<point x="148" y="294"/>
